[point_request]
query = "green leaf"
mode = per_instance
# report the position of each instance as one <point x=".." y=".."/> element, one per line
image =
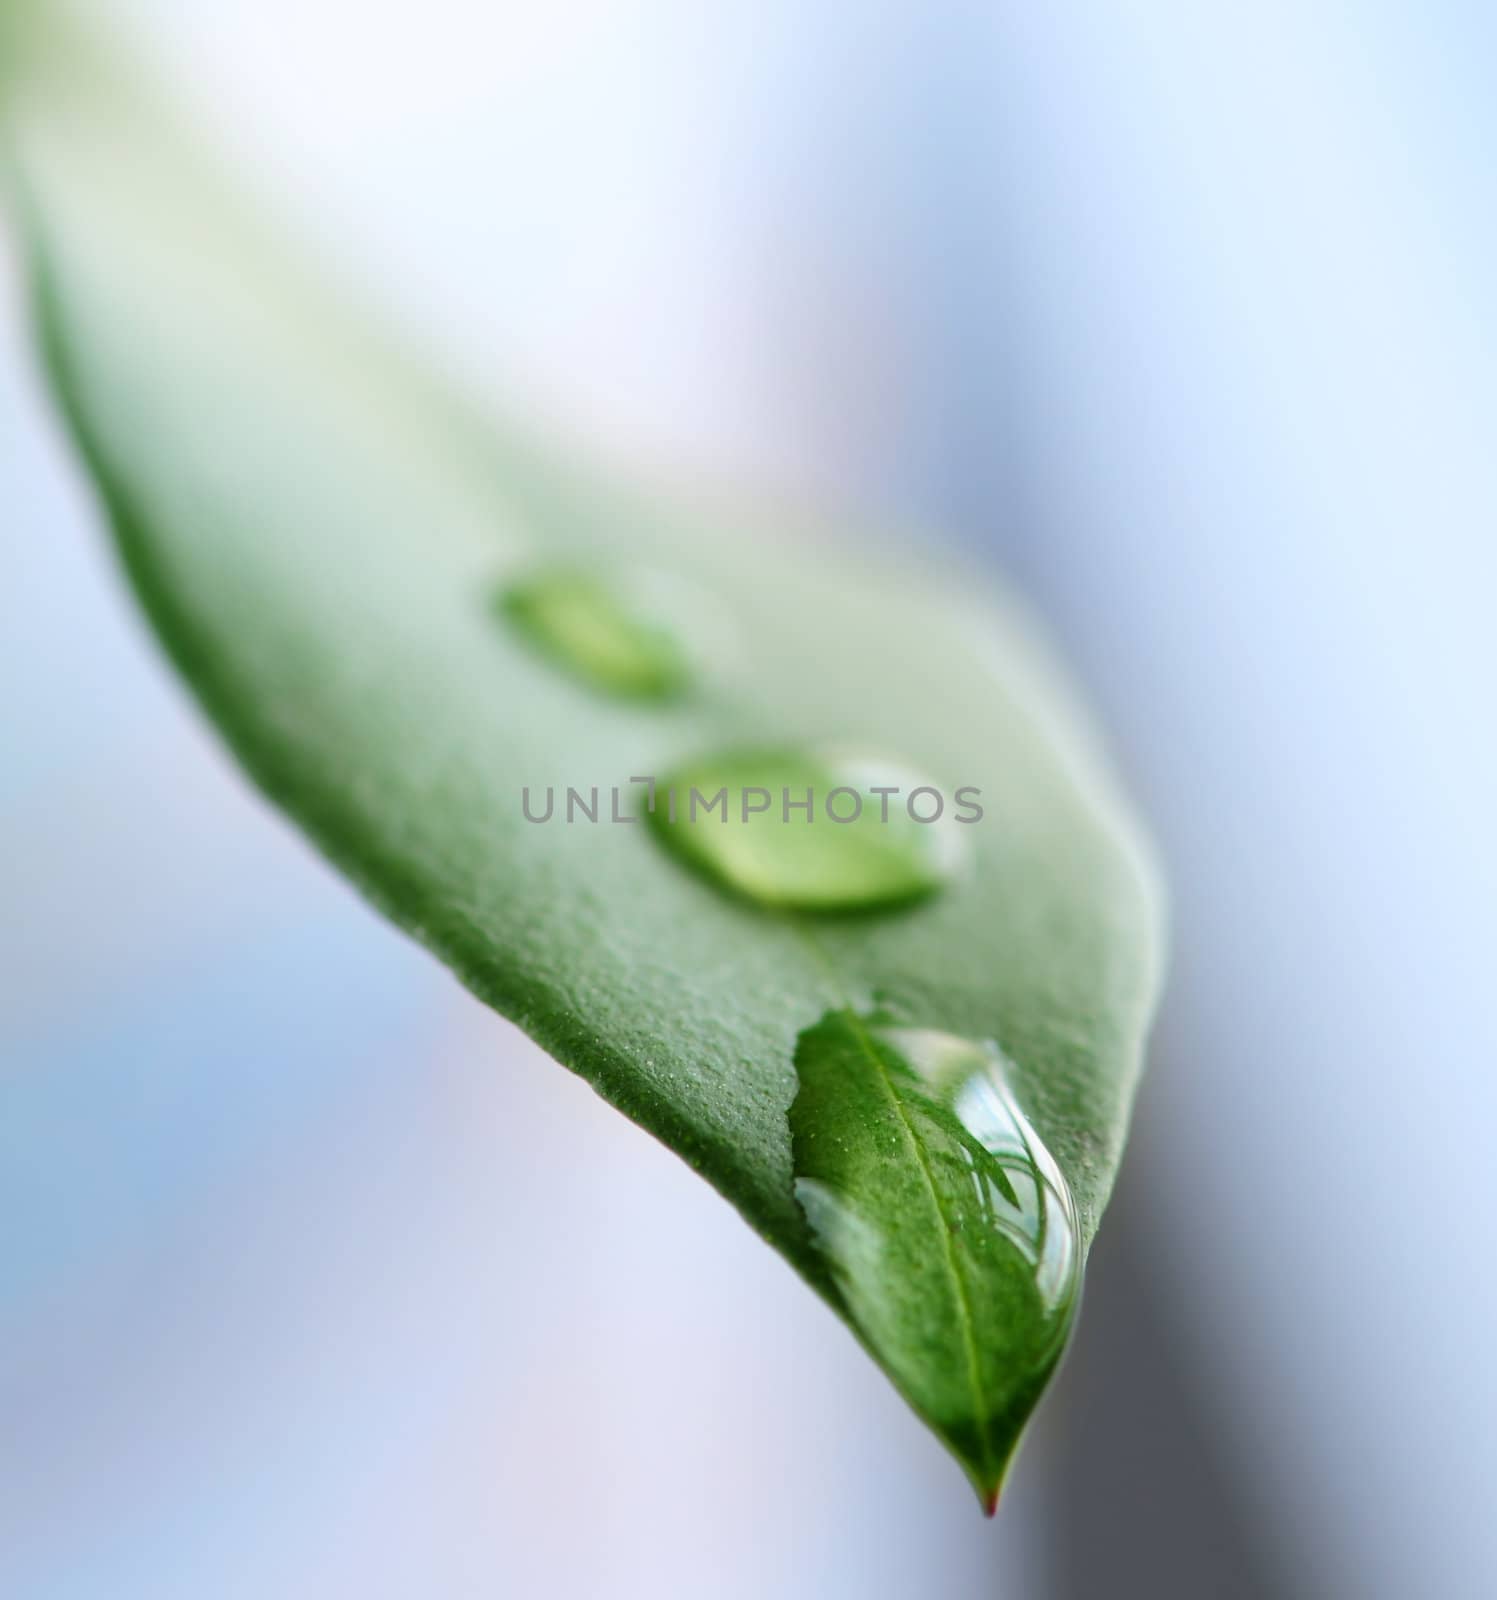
<point x="323" y="539"/>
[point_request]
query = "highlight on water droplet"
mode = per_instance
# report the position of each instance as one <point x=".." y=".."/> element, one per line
<point x="810" y="831"/>
<point x="608" y="634"/>
<point x="946" y="1226"/>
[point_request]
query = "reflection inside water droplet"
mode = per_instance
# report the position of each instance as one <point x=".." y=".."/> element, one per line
<point x="809" y="831"/>
<point x="1021" y="1193"/>
<point x="605" y="634"/>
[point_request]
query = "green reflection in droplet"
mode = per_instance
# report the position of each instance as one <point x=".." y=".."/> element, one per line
<point x="742" y="817"/>
<point x="600" y="633"/>
<point x="947" y="1227"/>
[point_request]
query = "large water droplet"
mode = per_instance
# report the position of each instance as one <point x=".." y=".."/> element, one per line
<point x="814" y="832"/>
<point x="602" y="634"/>
<point x="947" y="1227"/>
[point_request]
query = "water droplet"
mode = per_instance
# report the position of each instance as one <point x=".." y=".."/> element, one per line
<point x="604" y="634"/>
<point x="947" y="1227"/>
<point x="813" y="832"/>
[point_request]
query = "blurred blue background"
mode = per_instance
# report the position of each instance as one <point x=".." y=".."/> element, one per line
<point x="316" y="1279"/>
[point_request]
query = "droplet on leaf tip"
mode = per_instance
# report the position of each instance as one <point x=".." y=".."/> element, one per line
<point x="946" y="1225"/>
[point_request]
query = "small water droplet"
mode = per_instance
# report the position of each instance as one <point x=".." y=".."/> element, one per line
<point x="946" y="1224"/>
<point x="812" y="832"/>
<point x="602" y="633"/>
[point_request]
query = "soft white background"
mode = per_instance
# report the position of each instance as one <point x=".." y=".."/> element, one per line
<point x="316" y="1280"/>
